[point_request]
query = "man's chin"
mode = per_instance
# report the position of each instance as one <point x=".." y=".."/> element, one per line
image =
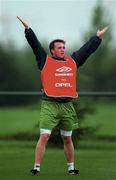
<point x="62" y="56"/>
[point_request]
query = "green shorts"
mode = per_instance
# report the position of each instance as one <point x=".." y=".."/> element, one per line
<point x="54" y="114"/>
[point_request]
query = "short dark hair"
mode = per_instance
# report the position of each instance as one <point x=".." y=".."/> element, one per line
<point x="51" y="45"/>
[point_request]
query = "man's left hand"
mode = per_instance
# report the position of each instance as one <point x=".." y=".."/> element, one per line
<point x="101" y="32"/>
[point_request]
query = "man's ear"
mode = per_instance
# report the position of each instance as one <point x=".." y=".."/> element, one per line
<point x="52" y="51"/>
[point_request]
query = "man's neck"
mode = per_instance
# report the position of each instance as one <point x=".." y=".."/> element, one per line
<point x="58" y="58"/>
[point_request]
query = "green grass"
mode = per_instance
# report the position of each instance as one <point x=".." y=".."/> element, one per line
<point x="104" y="117"/>
<point x="20" y="119"/>
<point x="16" y="159"/>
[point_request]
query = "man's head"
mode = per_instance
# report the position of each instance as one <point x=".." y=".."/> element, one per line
<point x="57" y="48"/>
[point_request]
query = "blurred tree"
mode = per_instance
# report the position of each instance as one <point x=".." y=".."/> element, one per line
<point x="95" y="73"/>
<point x="17" y="73"/>
<point x="8" y="70"/>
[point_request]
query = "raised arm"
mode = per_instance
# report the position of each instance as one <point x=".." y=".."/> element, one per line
<point x="35" y="45"/>
<point x="88" y="48"/>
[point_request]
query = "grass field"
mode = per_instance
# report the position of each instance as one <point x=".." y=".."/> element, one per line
<point x="16" y="159"/>
<point x="104" y="117"/>
<point x="95" y="159"/>
<point x="20" y="119"/>
<point x="23" y="119"/>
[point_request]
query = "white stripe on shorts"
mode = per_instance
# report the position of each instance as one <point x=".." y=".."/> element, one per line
<point x="65" y="133"/>
<point x="45" y="131"/>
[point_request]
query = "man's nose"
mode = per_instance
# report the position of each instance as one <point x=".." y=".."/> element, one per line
<point x="62" y="49"/>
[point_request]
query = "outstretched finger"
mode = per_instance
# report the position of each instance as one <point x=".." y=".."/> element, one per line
<point x="26" y="26"/>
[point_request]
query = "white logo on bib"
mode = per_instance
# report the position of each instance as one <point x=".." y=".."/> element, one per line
<point x="64" y="69"/>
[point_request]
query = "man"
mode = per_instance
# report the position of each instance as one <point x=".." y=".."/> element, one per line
<point x="58" y="76"/>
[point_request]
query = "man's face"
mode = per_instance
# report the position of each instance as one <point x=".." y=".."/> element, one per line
<point x="59" y="50"/>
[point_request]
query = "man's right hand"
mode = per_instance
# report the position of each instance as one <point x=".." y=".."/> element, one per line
<point x="24" y="24"/>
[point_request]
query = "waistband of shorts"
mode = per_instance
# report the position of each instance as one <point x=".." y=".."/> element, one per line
<point x="60" y="102"/>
